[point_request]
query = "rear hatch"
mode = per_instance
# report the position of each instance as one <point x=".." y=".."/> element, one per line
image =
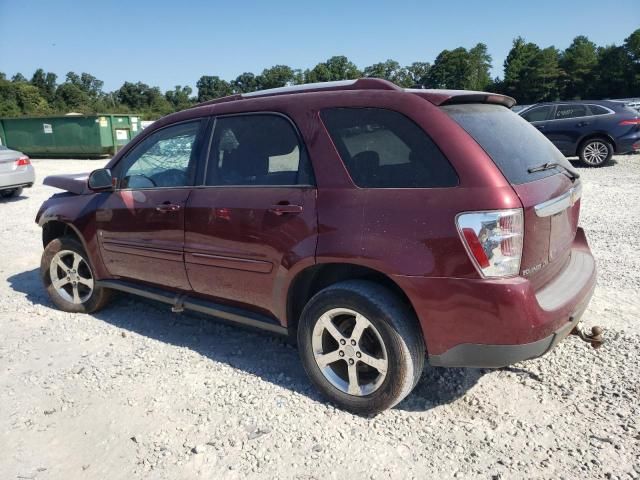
<point x="549" y="196"/>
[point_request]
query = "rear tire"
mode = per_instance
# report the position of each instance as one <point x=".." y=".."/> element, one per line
<point x="361" y="346"/>
<point x="16" y="192"/>
<point x="68" y="277"/>
<point x="595" y="152"/>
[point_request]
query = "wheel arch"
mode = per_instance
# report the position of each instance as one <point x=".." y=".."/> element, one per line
<point x="53" y="229"/>
<point x="314" y="278"/>
<point x="594" y="135"/>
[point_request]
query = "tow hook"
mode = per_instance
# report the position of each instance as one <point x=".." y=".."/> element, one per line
<point x="594" y="338"/>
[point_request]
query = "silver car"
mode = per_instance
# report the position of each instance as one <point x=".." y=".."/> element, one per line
<point x="16" y="172"/>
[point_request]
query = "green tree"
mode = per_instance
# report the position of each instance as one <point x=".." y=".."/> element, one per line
<point x="388" y="70"/>
<point x="335" y="68"/>
<point x="86" y="82"/>
<point x="578" y="62"/>
<point x="46" y="83"/>
<point x="451" y="69"/>
<point x="244" y="83"/>
<point x="211" y="87"/>
<point x="179" y="97"/>
<point x="8" y="99"/>
<point x="276" y="76"/>
<point x="479" y="68"/>
<point x="515" y="68"/>
<point x="632" y="47"/>
<point x="542" y="76"/>
<point x="70" y="97"/>
<point x="614" y="73"/>
<point x="140" y="97"/>
<point x="418" y="73"/>
<point x="19" y="78"/>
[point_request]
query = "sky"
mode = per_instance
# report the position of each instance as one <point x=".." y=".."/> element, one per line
<point x="166" y="43"/>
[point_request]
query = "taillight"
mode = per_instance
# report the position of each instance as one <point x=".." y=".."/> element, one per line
<point x="633" y="121"/>
<point x="22" y="161"/>
<point x="493" y="240"/>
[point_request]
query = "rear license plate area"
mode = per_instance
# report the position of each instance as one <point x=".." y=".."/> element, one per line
<point x="562" y="233"/>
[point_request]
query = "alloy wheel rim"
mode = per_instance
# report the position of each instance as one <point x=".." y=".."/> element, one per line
<point x="71" y="276"/>
<point x="595" y="153"/>
<point x="349" y="351"/>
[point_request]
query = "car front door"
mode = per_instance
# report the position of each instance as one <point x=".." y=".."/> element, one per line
<point x="254" y="219"/>
<point x="567" y="126"/>
<point x="538" y="116"/>
<point x="141" y="224"/>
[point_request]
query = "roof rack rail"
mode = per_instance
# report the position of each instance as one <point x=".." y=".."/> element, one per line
<point x="358" y="84"/>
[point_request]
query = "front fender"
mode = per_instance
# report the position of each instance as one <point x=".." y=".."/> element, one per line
<point x="76" y="212"/>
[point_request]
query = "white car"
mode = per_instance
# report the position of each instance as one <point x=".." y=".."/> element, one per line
<point x="16" y="172"/>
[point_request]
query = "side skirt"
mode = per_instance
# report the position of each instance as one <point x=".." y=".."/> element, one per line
<point x="180" y="302"/>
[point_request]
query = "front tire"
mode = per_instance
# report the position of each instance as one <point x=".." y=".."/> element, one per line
<point x="361" y="346"/>
<point x="68" y="277"/>
<point x="595" y="152"/>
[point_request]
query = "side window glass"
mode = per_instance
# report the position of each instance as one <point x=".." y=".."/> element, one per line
<point x="598" y="110"/>
<point x="537" y="114"/>
<point x="164" y="159"/>
<point x="257" y="149"/>
<point x="570" y="111"/>
<point x="384" y="149"/>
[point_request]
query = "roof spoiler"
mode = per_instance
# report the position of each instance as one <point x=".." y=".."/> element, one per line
<point x="452" y="97"/>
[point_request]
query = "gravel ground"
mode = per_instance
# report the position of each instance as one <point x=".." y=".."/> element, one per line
<point x="138" y="392"/>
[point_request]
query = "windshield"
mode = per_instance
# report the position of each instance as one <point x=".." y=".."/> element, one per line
<point x="513" y="143"/>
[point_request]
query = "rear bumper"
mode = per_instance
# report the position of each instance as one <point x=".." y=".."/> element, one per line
<point x="496" y="356"/>
<point x="494" y="323"/>
<point x="628" y="143"/>
<point x="22" y="177"/>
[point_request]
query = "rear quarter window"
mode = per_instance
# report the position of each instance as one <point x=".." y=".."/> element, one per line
<point x="512" y="143"/>
<point x="384" y="149"/>
<point x="598" y="110"/>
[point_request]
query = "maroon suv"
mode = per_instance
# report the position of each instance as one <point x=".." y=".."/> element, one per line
<point x="375" y="224"/>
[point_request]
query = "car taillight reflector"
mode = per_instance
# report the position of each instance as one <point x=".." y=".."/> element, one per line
<point x="634" y="121"/>
<point x="494" y="240"/>
<point x="22" y="161"/>
<point x="475" y="247"/>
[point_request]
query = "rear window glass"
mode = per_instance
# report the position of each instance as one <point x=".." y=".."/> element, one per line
<point x="513" y="143"/>
<point x="384" y="149"/>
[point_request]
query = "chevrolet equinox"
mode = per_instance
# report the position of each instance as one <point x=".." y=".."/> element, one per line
<point x="379" y="227"/>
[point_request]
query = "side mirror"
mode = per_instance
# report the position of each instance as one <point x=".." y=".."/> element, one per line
<point x="100" y="180"/>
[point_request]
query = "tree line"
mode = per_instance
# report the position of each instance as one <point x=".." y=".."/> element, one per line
<point x="531" y="74"/>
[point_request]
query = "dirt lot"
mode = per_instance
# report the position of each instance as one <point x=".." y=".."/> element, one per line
<point x="138" y="392"/>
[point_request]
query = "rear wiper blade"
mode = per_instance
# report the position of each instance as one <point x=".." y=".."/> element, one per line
<point x="549" y="165"/>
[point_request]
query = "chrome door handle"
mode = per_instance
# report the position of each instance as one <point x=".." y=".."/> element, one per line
<point x="167" y="207"/>
<point x="285" y="209"/>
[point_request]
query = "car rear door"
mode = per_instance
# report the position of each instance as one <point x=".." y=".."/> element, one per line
<point x="569" y="124"/>
<point x="253" y="220"/>
<point x="141" y="224"/>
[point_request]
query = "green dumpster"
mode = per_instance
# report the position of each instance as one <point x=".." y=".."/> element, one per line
<point x="79" y="136"/>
